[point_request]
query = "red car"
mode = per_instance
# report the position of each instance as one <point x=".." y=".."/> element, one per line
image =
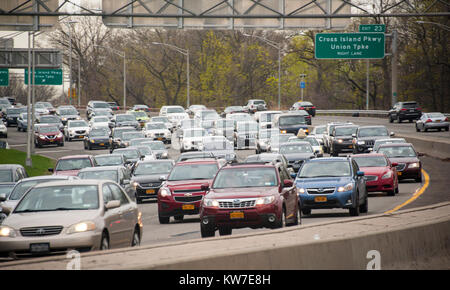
<point x="249" y="195"/>
<point x="71" y="165"/>
<point x="380" y="174"/>
<point x="48" y="135"/>
<point x="183" y="191"/>
<point x="409" y="165"/>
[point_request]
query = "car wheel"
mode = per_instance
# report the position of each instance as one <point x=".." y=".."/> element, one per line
<point x="306" y="211"/>
<point x="225" y="231"/>
<point x="295" y="220"/>
<point x="136" y="241"/>
<point x="364" y="208"/>
<point x="419" y="179"/>
<point x="179" y="217"/>
<point x="104" y="244"/>
<point x="396" y="190"/>
<point x="417" y="129"/>
<point x="163" y="219"/>
<point x="282" y="221"/>
<point x="206" y="232"/>
<point x="354" y="211"/>
<point x="446" y="128"/>
<point x="390" y="119"/>
<point x="399" y="120"/>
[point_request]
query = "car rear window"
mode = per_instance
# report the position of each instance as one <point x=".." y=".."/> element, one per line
<point x="409" y="105"/>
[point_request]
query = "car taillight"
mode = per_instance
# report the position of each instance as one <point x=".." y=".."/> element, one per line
<point x="404" y="110"/>
<point x="446" y="120"/>
<point x="301" y="108"/>
<point x="428" y="121"/>
<point x="313" y="107"/>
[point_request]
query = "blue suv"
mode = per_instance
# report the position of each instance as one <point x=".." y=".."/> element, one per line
<point x="332" y="183"/>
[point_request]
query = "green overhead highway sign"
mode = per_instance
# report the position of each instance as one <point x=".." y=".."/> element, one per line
<point x="46" y="77"/>
<point x="349" y="46"/>
<point x="4" y="77"/>
<point x="372" y="28"/>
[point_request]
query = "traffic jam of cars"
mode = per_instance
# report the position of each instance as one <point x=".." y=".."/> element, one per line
<point x="90" y="202"/>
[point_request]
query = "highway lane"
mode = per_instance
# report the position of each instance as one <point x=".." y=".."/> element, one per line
<point x="189" y="228"/>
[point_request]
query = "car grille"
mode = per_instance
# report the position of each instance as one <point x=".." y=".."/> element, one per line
<point x="237" y="204"/>
<point x="371" y="177"/>
<point x="320" y="190"/>
<point x="159" y="134"/>
<point x="188" y="198"/>
<point x="51" y="136"/>
<point x="155" y="184"/>
<point x="187" y="190"/>
<point x="369" y="142"/>
<point x="80" y="132"/>
<point x="40" y="231"/>
<point x="401" y="167"/>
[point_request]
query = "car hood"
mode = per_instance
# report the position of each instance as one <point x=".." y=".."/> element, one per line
<point x="165" y="131"/>
<point x="298" y="126"/>
<point x="10" y="203"/>
<point x="298" y="156"/>
<point x="148" y="178"/>
<point x="404" y="159"/>
<point x="236" y="193"/>
<point x="372" y="138"/>
<point x="322" y="182"/>
<point x="187" y="184"/>
<point x="374" y="170"/>
<point x="63" y="218"/>
<point x="50" y="133"/>
<point x="79" y="128"/>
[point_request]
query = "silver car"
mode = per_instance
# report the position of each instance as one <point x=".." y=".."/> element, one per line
<point x="432" y="121"/>
<point x="82" y="214"/>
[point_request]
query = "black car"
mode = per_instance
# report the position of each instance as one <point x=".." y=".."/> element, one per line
<point x="405" y="111"/>
<point x="116" y="137"/>
<point x="132" y="154"/>
<point x="341" y="139"/>
<point x="365" y="136"/>
<point x="307" y="106"/>
<point x="146" y="177"/>
<point x="67" y="114"/>
<point x="125" y="120"/>
<point x="12" y="114"/>
<point x="290" y="123"/>
<point x="97" y="138"/>
<point x="296" y="153"/>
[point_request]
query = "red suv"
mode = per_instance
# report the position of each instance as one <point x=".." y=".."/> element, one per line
<point x="183" y="191"/>
<point x="48" y="135"/>
<point x="249" y="195"/>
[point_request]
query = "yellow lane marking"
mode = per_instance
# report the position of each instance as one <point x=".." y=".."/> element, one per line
<point x="418" y="193"/>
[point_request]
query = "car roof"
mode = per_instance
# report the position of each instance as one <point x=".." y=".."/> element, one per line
<point x="296" y="143"/>
<point x="323" y="159"/>
<point x="369" y="155"/>
<point x="75" y="156"/>
<point x="72" y="182"/>
<point x="396" y="145"/>
<point x="372" y="126"/>
<point x="101" y="168"/>
<point x="10" y="166"/>
<point x="198" y="161"/>
<point x="249" y="165"/>
<point x="107" y="155"/>
<point x="155" y="161"/>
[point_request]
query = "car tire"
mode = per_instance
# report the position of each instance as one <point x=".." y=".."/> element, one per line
<point x="138" y="200"/>
<point x="206" y="232"/>
<point x="417" y="129"/>
<point x="295" y="221"/>
<point x="104" y="243"/>
<point x="136" y="240"/>
<point x="364" y="208"/>
<point x="354" y="211"/>
<point x="419" y="179"/>
<point x="446" y="129"/>
<point x="399" y="120"/>
<point x="163" y="219"/>
<point x="396" y="190"/>
<point x="306" y="211"/>
<point x="225" y="231"/>
<point x="390" y="119"/>
<point x="282" y="221"/>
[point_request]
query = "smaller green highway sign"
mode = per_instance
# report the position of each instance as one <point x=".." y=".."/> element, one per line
<point x="349" y="45"/>
<point x="4" y="77"/>
<point x="46" y="77"/>
<point x="372" y="28"/>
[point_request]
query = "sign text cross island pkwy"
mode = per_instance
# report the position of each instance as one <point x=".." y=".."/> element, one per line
<point x="46" y="77"/>
<point x="349" y="45"/>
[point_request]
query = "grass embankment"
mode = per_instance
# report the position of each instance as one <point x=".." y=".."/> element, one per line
<point x="40" y="164"/>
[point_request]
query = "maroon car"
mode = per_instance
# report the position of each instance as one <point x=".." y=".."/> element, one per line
<point x="408" y="164"/>
<point x="71" y="165"/>
<point x="249" y="195"/>
<point x="380" y="174"/>
<point x="183" y="191"/>
<point x="48" y="135"/>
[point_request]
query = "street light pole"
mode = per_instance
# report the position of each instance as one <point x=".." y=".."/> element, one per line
<point x="276" y="46"/>
<point x="186" y="53"/>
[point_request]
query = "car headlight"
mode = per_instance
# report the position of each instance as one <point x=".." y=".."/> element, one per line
<point x="7" y="232"/>
<point x="283" y="131"/>
<point x="164" y="154"/>
<point x="60" y="135"/>
<point x="210" y="203"/>
<point x="340" y="140"/>
<point x="387" y="175"/>
<point x="81" y="227"/>
<point x="301" y="190"/>
<point x="347" y="187"/>
<point x="361" y="143"/>
<point x="265" y="200"/>
<point x="92" y="141"/>
<point x="414" y="165"/>
<point x="42" y="136"/>
<point x="165" y="192"/>
<point x="135" y="184"/>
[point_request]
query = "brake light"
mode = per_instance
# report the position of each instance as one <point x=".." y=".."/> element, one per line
<point x="404" y="110"/>
<point x="428" y="121"/>
<point x="313" y="107"/>
<point x="301" y="108"/>
<point x="446" y="119"/>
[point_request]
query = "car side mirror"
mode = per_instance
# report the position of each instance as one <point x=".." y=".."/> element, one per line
<point x="288" y="183"/>
<point x="359" y="173"/>
<point x="420" y="154"/>
<point x="6" y="210"/>
<point x="112" y="204"/>
<point x="2" y="197"/>
<point x="293" y="175"/>
<point x="126" y="181"/>
<point x="51" y="170"/>
<point x="392" y="134"/>
<point x="162" y="178"/>
<point x="204" y="187"/>
<point x="394" y="164"/>
<point x="318" y="154"/>
<point x="354" y="135"/>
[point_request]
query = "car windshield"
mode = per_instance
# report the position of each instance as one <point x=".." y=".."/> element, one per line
<point x="234" y="108"/>
<point x="54" y="198"/>
<point x="217" y="145"/>
<point x="117" y="133"/>
<point x="259" y="102"/>
<point x="225" y="124"/>
<point x="263" y="158"/>
<point x="73" y="164"/>
<point x="12" y="111"/>
<point x="6" y="176"/>
<point x="265" y="134"/>
<point x="153" y="168"/>
<point x="246" y="177"/>
<point x="193" y="172"/>
<point x="102" y="113"/>
<point x="127" y="136"/>
<point x="98" y="133"/>
<point x="129" y="153"/>
<point x="185" y="124"/>
<point x="144" y="150"/>
<point x="49" y="119"/>
<point x="282" y="138"/>
<point x="6" y="189"/>
<point x="48" y="129"/>
<point x="23" y="186"/>
<point x="368" y="132"/>
<point x="156" y="145"/>
<point x="436" y="115"/>
<point x="100" y="105"/>
<point x="99" y="175"/>
<point x="247" y="127"/>
<point x="194" y="133"/>
<point x="296" y="148"/>
<point x="320" y="130"/>
<point x="346" y="131"/>
<point x="292" y="120"/>
<point x="175" y="110"/>
<point x="398" y="151"/>
<point x="378" y="143"/>
<point x="155" y="126"/>
<point x="312" y="141"/>
<point x="66" y="112"/>
<point x="325" y="169"/>
<point x="240" y="117"/>
<point x="124" y="118"/>
<point x="268" y="117"/>
<point x="209" y="115"/>
<point x="100" y="120"/>
<point x="139" y="114"/>
<point x="109" y="160"/>
<point x="77" y="124"/>
<point x="375" y="161"/>
<point x="410" y="105"/>
<point x="160" y="119"/>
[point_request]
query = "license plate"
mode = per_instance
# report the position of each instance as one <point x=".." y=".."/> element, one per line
<point x="81" y="136"/>
<point x="52" y="140"/>
<point x="149" y="191"/>
<point x="102" y="144"/>
<point x="399" y="173"/>
<point x="160" y="139"/>
<point x="40" y="248"/>
<point x="350" y="146"/>
<point x="437" y="121"/>
<point x="188" y="207"/>
<point x="320" y="199"/>
<point x="237" y="215"/>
